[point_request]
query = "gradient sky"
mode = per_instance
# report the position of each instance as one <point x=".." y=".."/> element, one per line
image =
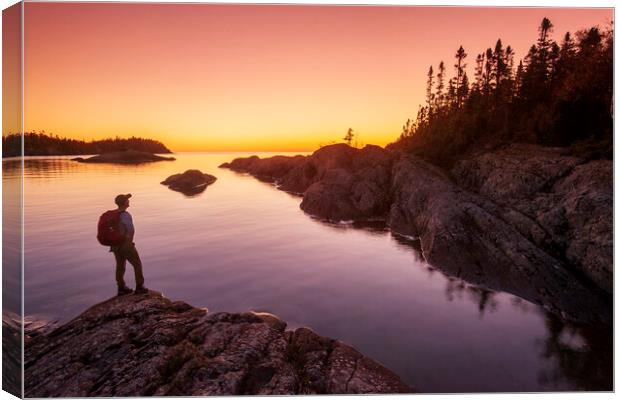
<point x="11" y="69"/>
<point x="252" y="77"/>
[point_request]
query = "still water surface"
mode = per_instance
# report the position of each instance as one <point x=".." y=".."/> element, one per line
<point x="244" y="245"/>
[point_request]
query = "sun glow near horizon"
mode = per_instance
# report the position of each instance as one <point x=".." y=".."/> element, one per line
<point x="252" y="77"/>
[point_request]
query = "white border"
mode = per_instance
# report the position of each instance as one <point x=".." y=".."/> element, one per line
<point x="484" y="3"/>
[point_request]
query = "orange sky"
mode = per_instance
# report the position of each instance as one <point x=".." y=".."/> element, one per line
<point x="251" y="77"/>
<point x="11" y="69"/>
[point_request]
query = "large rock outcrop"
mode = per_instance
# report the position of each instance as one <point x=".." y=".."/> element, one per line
<point x="338" y="182"/>
<point x="566" y="201"/>
<point x="471" y="237"/>
<point x="190" y="182"/>
<point x="147" y="345"/>
<point x="347" y="183"/>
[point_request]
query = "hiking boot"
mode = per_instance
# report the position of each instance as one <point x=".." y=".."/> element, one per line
<point x="141" y="290"/>
<point x="124" y="290"/>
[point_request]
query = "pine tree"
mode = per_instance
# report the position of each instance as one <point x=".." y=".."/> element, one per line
<point x="479" y="72"/>
<point x="488" y="71"/>
<point x="566" y="57"/>
<point x="567" y="50"/>
<point x="559" y="95"/>
<point x="439" y="95"/>
<point x="421" y="117"/>
<point x="589" y="41"/>
<point x="544" y="47"/>
<point x="429" y="90"/>
<point x="408" y="129"/>
<point x="518" y="80"/>
<point x="451" y="92"/>
<point x="348" y="138"/>
<point x="460" y="68"/>
<point x="463" y="89"/>
<point x="509" y="60"/>
<point x="499" y="65"/>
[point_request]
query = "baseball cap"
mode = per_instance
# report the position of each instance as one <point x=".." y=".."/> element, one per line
<point x="121" y="199"/>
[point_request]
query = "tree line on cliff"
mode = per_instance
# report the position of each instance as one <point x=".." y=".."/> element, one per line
<point x="41" y="144"/>
<point x="558" y="95"/>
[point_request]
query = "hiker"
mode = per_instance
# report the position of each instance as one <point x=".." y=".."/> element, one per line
<point x="126" y="249"/>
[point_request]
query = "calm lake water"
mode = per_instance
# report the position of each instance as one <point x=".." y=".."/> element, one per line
<point x="244" y="245"/>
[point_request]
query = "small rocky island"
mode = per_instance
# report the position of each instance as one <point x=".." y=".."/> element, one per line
<point x="124" y="157"/>
<point x="148" y="345"/>
<point x="190" y="182"/>
<point x="524" y="219"/>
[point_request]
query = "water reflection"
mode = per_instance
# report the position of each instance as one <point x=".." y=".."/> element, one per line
<point x="11" y="276"/>
<point x="580" y="354"/>
<point x="11" y="167"/>
<point x="46" y="167"/>
<point x="11" y="236"/>
<point x="550" y="288"/>
<point x="243" y="245"/>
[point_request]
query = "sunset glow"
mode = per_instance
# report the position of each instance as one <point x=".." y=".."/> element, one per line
<point x="251" y="77"/>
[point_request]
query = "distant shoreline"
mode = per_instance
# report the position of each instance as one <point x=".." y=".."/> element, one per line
<point x="41" y="144"/>
<point x="224" y="152"/>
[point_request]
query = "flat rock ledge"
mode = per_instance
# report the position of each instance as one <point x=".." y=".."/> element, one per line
<point x="148" y="345"/>
<point x="190" y="182"/>
<point x="124" y="157"/>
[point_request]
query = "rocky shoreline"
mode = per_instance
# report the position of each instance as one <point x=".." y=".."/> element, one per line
<point x="523" y="219"/>
<point x="148" y="345"/>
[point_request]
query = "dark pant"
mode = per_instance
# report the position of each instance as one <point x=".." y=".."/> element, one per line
<point x="122" y="254"/>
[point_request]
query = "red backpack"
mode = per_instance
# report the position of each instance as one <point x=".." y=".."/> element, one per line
<point x="110" y="231"/>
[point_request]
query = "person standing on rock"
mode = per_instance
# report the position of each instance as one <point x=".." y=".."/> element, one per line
<point x="127" y="251"/>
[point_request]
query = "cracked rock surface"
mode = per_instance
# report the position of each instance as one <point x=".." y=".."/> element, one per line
<point x="567" y="202"/>
<point x="144" y="345"/>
